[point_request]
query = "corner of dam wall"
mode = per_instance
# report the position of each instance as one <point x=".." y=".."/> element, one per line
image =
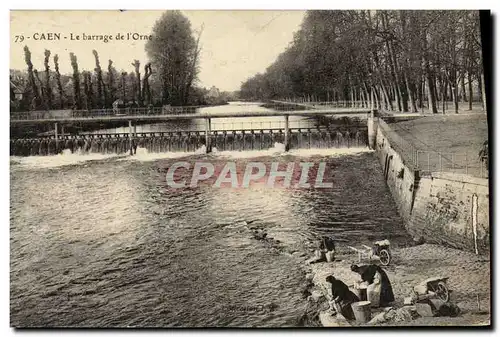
<point x="399" y="176"/>
<point x="445" y="208"/>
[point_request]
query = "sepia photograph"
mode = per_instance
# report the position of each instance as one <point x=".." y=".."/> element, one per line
<point x="250" y="168"/>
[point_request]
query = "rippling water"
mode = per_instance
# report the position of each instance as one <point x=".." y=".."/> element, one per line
<point x="105" y="242"/>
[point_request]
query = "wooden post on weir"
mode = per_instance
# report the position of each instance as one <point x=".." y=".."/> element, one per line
<point x="208" y="131"/>
<point x="287" y="134"/>
<point x="130" y="135"/>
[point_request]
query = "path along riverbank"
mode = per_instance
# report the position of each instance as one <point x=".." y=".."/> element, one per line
<point x="469" y="279"/>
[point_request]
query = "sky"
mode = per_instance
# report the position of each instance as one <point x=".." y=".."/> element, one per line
<point x="235" y="44"/>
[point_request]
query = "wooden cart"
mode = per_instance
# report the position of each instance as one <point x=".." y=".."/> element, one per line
<point x="380" y="250"/>
<point x="438" y="286"/>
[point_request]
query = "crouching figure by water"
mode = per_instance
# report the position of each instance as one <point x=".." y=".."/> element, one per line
<point x="379" y="289"/>
<point x="342" y="298"/>
<point x="325" y="251"/>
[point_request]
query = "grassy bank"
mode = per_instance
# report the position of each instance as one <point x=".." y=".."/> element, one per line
<point x="445" y="133"/>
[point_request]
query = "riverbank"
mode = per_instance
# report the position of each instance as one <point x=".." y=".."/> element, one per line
<point x="469" y="279"/>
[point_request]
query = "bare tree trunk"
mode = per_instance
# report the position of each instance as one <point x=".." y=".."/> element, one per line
<point x="430" y="88"/>
<point x="395" y="93"/>
<point x="387" y="97"/>
<point x="469" y="79"/>
<point x="351" y="90"/>
<point x="455" y="92"/>
<point x="483" y="91"/>
<point x="452" y="88"/>
<point x="444" y="93"/>
<point x="479" y="87"/>
<point x="462" y="86"/>
<point x="413" y="106"/>
<point x="392" y="64"/>
<point x="421" y="92"/>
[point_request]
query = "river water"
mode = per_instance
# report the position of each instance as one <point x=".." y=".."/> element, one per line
<point x="103" y="241"/>
<point x="229" y="123"/>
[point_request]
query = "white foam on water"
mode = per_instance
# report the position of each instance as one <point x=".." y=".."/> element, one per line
<point x="330" y="152"/>
<point x="277" y="149"/>
<point x="63" y="159"/>
<point x="142" y="154"/>
<point x="67" y="158"/>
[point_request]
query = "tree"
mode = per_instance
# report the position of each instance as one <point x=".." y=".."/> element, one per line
<point x="76" y="81"/>
<point x="48" y="88"/>
<point x="112" y="76"/>
<point x="40" y="85"/>
<point x="193" y="70"/>
<point x="87" y="85"/>
<point x="123" y="86"/>
<point x="173" y="53"/>
<point x="397" y="57"/>
<point x="146" y="90"/>
<point x="58" y="79"/>
<point x="34" y="87"/>
<point x="138" y="95"/>
<point x="101" y="90"/>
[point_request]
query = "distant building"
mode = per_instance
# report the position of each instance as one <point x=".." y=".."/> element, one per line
<point x="16" y="92"/>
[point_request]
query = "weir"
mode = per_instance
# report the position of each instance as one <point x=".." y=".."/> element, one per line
<point x="322" y="136"/>
<point x="189" y="141"/>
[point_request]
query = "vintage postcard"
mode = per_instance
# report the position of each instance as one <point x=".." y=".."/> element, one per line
<point x="315" y="168"/>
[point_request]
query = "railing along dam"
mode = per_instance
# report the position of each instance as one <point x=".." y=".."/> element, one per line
<point x="250" y="137"/>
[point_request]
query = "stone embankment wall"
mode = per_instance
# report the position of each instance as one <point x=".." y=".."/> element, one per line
<point x="440" y="207"/>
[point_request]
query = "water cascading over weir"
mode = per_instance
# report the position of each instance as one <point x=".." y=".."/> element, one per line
<point x="188" y="141"/>
<point x="322" y="131"/>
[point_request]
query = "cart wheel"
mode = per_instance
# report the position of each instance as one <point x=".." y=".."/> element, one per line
<point x="442" y="291"/>
<point x="385" y="257"/>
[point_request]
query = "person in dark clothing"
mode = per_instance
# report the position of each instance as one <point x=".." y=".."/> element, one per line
<point x="327" y="244"/>
<point x="343" y="297"/>
<point x="368" y="273"/>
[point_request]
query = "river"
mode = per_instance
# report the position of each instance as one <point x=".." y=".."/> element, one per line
<point x="102" y="241"/>
<point x="226" y="124"/>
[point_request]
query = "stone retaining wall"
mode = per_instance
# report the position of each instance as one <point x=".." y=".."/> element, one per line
<point x="444" y="208"/>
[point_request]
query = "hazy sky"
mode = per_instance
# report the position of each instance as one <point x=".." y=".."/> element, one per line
<point x="235" y="44"/>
